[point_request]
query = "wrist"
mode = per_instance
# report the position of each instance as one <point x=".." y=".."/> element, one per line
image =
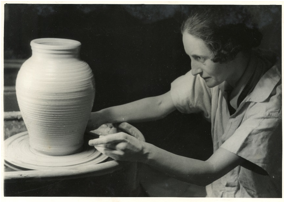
<point x="106" y="116"/>
<point x="100" y="117"/>
<point x="146" y="152"/>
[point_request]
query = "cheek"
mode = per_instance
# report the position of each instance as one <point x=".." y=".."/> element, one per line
<point x="215" y="70"/>
<point x="210" y="69"/>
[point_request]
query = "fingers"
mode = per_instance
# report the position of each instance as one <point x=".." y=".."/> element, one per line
<point x="105" y="129"/>
<point x="129" y="129"/>
<point x="111" y="146"/>
<point x="113" y="138"/>
<point x="119" y="146"/>
<point x="112" y="150"/>
<point x="114" y="154"/>
<point x="126" y="127"/>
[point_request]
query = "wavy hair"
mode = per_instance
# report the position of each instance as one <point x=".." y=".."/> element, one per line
<point x="225" y="30"/>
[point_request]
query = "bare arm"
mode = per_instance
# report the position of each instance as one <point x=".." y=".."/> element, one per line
<point x="121" y="146"/>
<point x="192" y="170"/>
<point x="146" y="109"/>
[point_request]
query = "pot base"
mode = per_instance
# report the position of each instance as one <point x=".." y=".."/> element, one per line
<point x="20" y="156"/>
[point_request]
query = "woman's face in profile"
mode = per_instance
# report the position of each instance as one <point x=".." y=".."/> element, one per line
<point x="201" y="62"/>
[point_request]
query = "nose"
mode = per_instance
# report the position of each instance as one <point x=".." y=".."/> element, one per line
<point x="195" y="68"/>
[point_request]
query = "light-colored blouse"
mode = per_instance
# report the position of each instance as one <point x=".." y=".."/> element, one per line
<point x="252" y="132"/>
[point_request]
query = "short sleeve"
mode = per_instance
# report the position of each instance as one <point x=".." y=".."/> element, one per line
<point x="190" y="94"/>
<point x="258" y="139"/>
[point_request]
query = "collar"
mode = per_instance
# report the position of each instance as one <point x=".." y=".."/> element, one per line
<point x="270" y="78"/>
<point x="254" y="78"/>
<point x="246" y="79"/>
<point x="232" y="94"/>
<point x="265" y="85"/>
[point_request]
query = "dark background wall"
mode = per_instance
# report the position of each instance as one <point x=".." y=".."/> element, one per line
<point x="134" y="51"/>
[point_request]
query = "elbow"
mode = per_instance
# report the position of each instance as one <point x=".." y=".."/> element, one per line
<point x="206" y="176"/>
<point x="164" y="107"/>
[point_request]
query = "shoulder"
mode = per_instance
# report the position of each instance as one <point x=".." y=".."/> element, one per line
<point x="190" y="83"/>
<point x="190" y="94"/>
<point x="268" y="88"/>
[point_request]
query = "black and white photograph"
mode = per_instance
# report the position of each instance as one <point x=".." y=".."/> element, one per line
<point x="142" y="100"/>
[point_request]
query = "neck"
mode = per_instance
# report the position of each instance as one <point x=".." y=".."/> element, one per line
<point x="238" y="65"/>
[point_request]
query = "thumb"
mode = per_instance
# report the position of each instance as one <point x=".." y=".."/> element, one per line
<point x="131" y="130"/>
<point x="113" y="138"/>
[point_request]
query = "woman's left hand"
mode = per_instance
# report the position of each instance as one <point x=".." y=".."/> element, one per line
<point x="121" y="146"/>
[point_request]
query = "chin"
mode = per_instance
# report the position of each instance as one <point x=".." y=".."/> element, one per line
<point x="212" y="85"/>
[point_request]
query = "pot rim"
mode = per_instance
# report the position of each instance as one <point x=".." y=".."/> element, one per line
<point x="55" y="43"/>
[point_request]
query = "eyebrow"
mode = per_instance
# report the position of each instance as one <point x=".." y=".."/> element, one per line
<point x="195" y="55"/>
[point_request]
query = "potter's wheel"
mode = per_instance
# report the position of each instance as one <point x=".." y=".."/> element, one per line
<point x="19" y="156"/>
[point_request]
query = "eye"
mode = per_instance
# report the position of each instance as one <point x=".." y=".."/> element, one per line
<point x="197" y="58"/>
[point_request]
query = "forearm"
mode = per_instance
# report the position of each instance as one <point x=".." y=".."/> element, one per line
<point x="146" y="109"/>
<point x="186" y="169"/>
<point x="190" y="170"/>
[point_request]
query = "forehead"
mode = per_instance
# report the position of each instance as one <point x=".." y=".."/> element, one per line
<point x="195" y="46"/>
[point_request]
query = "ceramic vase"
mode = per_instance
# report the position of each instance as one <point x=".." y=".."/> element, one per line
<point x="55" y="92"/>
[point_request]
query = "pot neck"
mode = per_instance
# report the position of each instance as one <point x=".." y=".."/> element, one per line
<point x="55" y="48"/>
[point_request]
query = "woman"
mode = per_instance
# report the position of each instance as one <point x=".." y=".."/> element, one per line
<point x="239" y="91"/>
